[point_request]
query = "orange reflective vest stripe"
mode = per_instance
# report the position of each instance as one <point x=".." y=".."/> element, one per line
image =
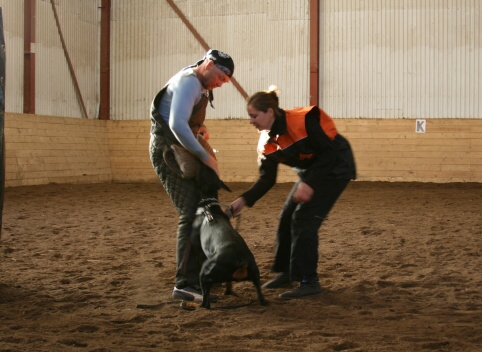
<point x="296" y="129"/>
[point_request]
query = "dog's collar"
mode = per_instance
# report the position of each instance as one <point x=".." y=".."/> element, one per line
<point x="205" y="205"/>
<point x="208" y="202"/>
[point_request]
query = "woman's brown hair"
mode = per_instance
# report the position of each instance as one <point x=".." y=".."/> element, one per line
<point x="265" y="99"/>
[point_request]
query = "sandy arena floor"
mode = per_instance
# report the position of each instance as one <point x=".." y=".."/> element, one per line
<point x="400" y="264"/>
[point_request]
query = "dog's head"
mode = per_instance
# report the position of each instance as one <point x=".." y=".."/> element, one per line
<point x="209" y="182"/>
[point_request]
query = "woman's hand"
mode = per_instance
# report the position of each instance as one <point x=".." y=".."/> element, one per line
<point x="303" y="193"/>
<point x="237" y="205"/>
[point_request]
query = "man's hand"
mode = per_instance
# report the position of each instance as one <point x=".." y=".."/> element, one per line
<point x="213" y="164"/>
<point x="303" y="193"/>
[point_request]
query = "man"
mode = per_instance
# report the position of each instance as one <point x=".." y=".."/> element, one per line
<point x="177" y="113"/>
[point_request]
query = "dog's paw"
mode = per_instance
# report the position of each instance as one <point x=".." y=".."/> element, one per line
<point x="189" y="305"/>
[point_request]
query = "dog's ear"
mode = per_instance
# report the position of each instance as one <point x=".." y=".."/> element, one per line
<point x="223" y="186"/>
<point x="209" y="182"/>
<point x="214" y="179"/>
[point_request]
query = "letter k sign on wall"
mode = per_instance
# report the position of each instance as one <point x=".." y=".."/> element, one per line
<point x="420" y="126"/>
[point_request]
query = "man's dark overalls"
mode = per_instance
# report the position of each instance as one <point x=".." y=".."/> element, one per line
<point x="183" y="192"/>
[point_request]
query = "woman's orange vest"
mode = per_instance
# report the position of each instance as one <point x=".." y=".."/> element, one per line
<point x="296" y="129"/>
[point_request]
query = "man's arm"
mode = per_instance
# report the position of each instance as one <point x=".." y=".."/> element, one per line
<point x="185" y="93"/>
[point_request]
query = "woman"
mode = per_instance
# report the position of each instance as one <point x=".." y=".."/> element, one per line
<point x="307" y="140"/>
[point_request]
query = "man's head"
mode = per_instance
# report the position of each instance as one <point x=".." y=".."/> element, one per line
<point x="215" y="69"/>
<point x="222" y="61"/>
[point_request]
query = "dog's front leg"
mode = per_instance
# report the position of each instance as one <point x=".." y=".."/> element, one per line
<point x="206" y="301"/>
<point x="205" y="281"/>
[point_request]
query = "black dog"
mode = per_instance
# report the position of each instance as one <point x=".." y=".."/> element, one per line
<point x="228" y="256"/>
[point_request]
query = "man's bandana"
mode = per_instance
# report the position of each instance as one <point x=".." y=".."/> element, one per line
<point x="222" y="60"/>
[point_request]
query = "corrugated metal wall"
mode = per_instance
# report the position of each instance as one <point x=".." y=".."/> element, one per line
<point x="268" y="41"/>
<point x="378" y="58"/>
<point x="55" y="93"/>
<point x="13" y="30"/>
<point x="401" y="58"/>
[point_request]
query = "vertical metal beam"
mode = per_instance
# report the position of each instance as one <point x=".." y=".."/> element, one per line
<point x="2" y="119"/>
<point x="29" y="57"/>
<point x="314" y="51"/>
<point x="104" y="111"/>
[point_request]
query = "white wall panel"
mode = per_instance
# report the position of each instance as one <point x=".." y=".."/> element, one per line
<point x="268" y="41"/>
<point x="378" y="58"/>
<point x="55" y="92"/>
<point x="12" y="13"/>
<point x="401" y="58"/>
